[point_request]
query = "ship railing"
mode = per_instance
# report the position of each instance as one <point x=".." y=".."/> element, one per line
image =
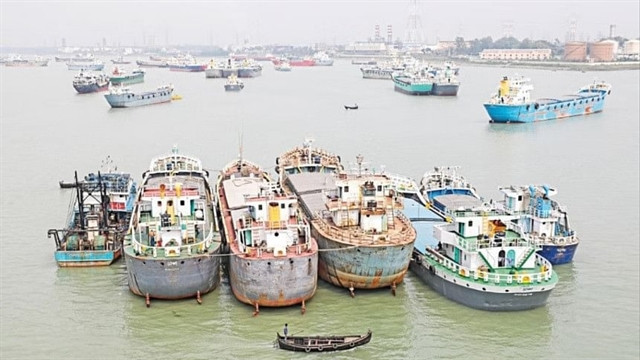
<point x="140" y="247"/>
<point x="543" y="271"/>
<point x="356" y="235"/>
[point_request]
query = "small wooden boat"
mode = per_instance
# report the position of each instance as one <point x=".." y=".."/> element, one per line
<point x="322" y="343"/>
<point x="354" y="107"/>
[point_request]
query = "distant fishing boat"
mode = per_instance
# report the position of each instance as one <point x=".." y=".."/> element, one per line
<point x="233" y="84"/>
<point x="351" y="107"/>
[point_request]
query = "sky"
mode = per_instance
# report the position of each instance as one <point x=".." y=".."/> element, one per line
<point x="305" y="22"/>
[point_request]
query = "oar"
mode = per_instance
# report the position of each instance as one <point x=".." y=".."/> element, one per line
<point x="301" y="331"/>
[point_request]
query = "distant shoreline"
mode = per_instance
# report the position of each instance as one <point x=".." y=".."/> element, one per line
<point x="552" y="65"/>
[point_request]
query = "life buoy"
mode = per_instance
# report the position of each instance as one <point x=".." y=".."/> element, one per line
<point x="320" y="348"/>
<point x="463" y="272"/>
<point x="352" y="344"/>
<point x="561" y="241"/>
<point x="335" y="346"/>
<point x="307" y="349"/>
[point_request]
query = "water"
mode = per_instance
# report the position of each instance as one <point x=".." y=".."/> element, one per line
<point x="48" y="132"/>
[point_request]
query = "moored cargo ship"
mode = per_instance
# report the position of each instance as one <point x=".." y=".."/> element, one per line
<point x="365" y="241"/>
<point x="483" y="259"/>
<point x="544" y="219"/>
<point x="175" y="247"/>
<point x="273" y="258"/>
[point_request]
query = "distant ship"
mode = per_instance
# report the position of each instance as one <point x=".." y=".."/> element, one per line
<point x="120" y="61"/>
<point x="152" y="63"/>
<point x="274" y="258"/>
<point x="423" y="83"/>
<point x="322" y="59"/>
<point x="233" y="84"/>
<point x="376" y="72"/>
<point x="121" y="97"/>
<point x="246" y="68"/>
<point x="94" y="65"/>
<point x="19" y="62"/>
<point x="85" y="82"/>
<point x="512" y="103"/>
<point x="175" y="247"/>
<point x="121" y="77"/>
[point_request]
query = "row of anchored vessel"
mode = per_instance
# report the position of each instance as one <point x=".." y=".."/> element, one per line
<point x="315" y="220"/>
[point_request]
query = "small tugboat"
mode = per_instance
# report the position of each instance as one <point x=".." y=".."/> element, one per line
<point x="97" y="222"/>
<point x="322" y="343"/>
<point x="175" y="247"/>
<point x="544" y="219"/>
<point x="484" y="259"/>
<point x="233" y="84"/>
<point x="85" y="82"/>
<point x="512" y="103"/>
<point x="274" y="258"/>
<point x="122" y="97"/>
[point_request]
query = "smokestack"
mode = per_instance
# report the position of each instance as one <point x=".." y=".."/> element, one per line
<point x="612" y="31"/>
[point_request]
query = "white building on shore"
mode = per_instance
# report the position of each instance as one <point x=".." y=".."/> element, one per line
<point x="515" y="54"/>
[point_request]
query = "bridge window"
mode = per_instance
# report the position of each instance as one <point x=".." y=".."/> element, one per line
<point x="181" y="202"/>
<point x="346" y="189"/>
<point x="470" y="223"/>
<point x="282" y="206"/>
<point x="260" y="207"/>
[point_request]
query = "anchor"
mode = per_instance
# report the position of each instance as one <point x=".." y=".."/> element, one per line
<point x="304" y="308"/>
<point x="255" y="313"/>
<point x="351" y="290"/>
<point x="198" y="298"/>
<point x="393" y="288"/>
<point x="147" y="300"/>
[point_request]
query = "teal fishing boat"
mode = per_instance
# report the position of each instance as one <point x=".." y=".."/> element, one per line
<point x="97" y="221"/>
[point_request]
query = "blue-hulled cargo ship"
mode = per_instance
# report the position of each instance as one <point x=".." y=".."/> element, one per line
<point x="100" y="209"/>
<point x="512" y="103"/>
<point x="122" y="97"/>
<point x="174" y="250"/>
<point x="274" y="258"/>
<point x="543" y="219"/>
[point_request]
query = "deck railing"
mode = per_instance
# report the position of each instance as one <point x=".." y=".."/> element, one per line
<point x="541" y="273"/>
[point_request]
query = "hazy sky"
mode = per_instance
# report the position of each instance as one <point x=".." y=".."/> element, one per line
<point x="86" y="23"/>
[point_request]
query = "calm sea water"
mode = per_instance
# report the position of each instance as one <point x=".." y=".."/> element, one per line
<point x="48" y="132"/>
